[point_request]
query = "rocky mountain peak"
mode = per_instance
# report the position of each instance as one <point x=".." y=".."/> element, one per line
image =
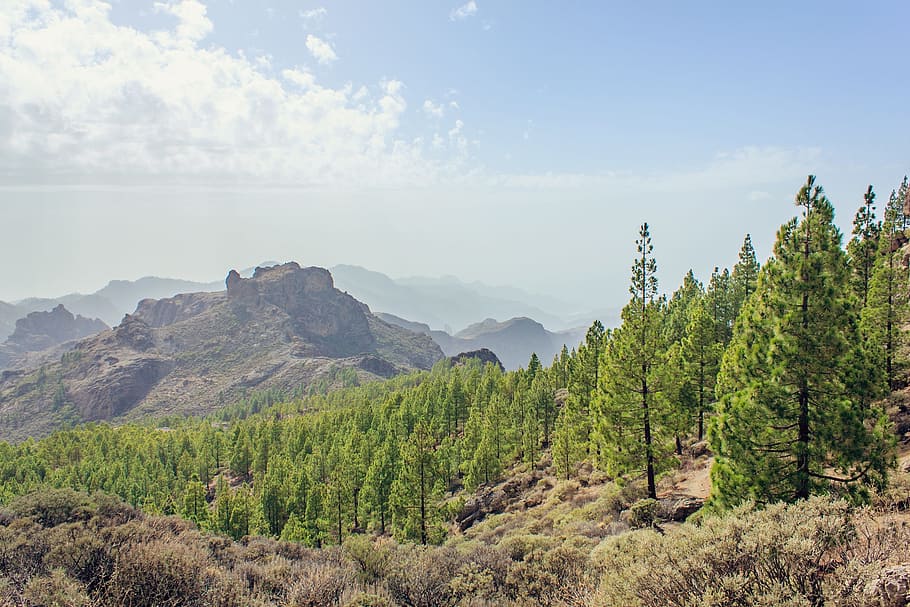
<point x="41" y="330"/>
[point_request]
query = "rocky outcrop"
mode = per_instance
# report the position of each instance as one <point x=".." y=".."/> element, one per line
<point x="321" y="314"/>
<point x="284" y="328"/>
<point x="117" y="386"/>
<point x="891" y="588"/>
<point x="498" y="499"/>
<point x="164" y="312"/>
<point x="40" y="331"/>
<point x="43" y="330"/>
<point x="483" y="355"/>
<point x="679" y="508"/>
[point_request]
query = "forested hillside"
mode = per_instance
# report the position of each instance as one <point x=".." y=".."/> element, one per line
<point x="784" y="369"/>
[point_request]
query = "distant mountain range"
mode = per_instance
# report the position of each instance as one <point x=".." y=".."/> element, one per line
<point x="446" y="309"/>
<point x="513" y="341"/>
<point x="449" y="304"/>
<point x="446" y="303"/>
<point x="285" y="328"/>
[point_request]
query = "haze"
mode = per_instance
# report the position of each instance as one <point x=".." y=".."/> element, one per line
<point x="516" y="143"/>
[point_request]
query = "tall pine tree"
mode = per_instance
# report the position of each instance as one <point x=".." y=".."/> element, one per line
<point x="863" y="247"/>
<point x="745" y="275"/>
<point x="795" y="385"/>
<point x="631" y="413"/>
<point x="885" y="314"/>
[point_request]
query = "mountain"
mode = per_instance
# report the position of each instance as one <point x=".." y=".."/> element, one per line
<point x="9" y="314"/>
<point x="513" y="341"/>
<point x="285" y="328"/>
<point x="44" y="330"/>
<point x="439" y="303"/>
<point x="119" y="297"/>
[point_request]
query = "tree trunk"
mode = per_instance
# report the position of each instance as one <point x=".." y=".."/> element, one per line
<point x="652" y="487"/>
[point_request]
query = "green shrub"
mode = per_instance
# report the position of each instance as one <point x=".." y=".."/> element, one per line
<point x="644" y="513"/>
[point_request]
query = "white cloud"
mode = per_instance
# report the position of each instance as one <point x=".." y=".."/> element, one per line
<point x="321" y="50"/>
<point x="457" y="138"/>
<point x="433" y="109"/>
<point x="464" y="11"/>
<point x="313" y="15"/>
<point x="300" y="77"/>
<point x="192" y="23"/>
<point x="84" y="100"/>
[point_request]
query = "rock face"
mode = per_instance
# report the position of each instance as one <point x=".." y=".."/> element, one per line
<point x="483" y="355"/>
<point x="333" y="321"/>
<point x="890" y="589"/>
<point x="281" y="329"/>
<point x="43" y="330"/>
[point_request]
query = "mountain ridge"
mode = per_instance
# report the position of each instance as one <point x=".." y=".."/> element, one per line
<point x="284" y="328"/>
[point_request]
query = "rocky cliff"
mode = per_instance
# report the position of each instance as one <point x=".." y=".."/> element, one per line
<point x="43" y="330"/>
<point x="283" y="328"/>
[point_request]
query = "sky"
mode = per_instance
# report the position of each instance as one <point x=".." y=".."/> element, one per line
<point x="514" y="142"/>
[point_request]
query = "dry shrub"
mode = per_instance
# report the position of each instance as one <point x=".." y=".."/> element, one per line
<point x="320" y="584"/>
<point x="51" y="507"/>
<point x="565" y="490"/>
<point x="55" y="590"/>
<point x="370" y="555"/>
<point x="81" y="553"/>
<point x="369" y="599"/>
<point x="518" y="547"/>
<point x="269" y="577"/>
<point x="749" y="557"/>
<point x="419" y="576"/>
<point x="158" y="573"/>
<point x="482" y="576"/>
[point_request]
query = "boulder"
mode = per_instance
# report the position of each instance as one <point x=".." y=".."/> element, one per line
<point x="679" y="508"/>
<point x="890" y="588"/>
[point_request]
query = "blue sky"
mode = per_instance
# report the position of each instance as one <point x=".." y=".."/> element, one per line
<point x="500" y="141"/>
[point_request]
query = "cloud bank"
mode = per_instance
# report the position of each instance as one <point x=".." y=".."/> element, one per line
<point x="84" y="98"/>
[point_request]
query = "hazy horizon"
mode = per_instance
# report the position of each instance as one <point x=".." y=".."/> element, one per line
<point x="516" y="144"/>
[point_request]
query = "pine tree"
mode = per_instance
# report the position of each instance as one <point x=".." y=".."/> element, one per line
<point x="745" y="275"/>
<point x="864" y="245"/>
<point x="700" y="355"/>
<point x="721" y="303"/>
<point x="584" y="379"/>
<point x="795" y="385"/>
<point x="378" y="483"/>
<point x="631" y="413"/>
<point x="415" y="491"/>
<point x="886" y="312"/>
<point x="194" y="506"/>
<point x="678" y="306"/>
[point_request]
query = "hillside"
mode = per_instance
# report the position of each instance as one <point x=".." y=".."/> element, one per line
<point x="513" y="341"/>
<point x="284" y="328"/>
